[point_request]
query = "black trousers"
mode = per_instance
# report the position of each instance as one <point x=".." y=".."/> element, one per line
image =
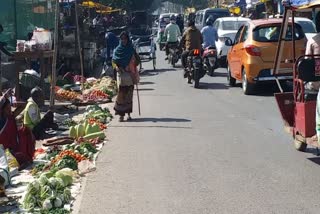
<point x="170" y="44"/>
<point x="184" y="57"/>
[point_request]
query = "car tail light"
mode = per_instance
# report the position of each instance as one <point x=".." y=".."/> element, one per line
<point x="196" y="52"/>
<point x="253" y="50"/>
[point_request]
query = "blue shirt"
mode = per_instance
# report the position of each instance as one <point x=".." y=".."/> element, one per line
<point x="210" y="36"/>
<point x="112" y="41"/>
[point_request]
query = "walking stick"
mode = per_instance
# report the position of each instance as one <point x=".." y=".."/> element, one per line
<point x="138" y="100"/>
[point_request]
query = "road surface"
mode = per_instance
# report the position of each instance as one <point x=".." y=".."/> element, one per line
<point x="201" y="151"/>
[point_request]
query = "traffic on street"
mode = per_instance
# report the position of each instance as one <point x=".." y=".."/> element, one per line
<point x="160" y="107"/>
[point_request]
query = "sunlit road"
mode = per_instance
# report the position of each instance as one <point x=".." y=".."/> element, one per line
<point x="201" y="151"/>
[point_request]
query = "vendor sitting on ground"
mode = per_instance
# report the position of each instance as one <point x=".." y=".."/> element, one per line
<point x="20" y="142"/>
<point x="32" y="118"/>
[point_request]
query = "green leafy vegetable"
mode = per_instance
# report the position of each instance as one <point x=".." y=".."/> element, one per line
<point x="66" y="175"/>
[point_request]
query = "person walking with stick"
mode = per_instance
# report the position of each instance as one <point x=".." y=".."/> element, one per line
<point x="125" y="62"/>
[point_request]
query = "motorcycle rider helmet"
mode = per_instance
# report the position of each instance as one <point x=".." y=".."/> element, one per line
<point x="173" y="18"/>
<point x="209" y="21"/>
<point x="191" y="23"/>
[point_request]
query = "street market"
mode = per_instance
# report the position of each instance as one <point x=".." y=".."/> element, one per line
<point x="159" y="107"/>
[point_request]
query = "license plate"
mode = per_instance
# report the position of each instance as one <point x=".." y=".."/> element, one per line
<point x="197" y="60"/>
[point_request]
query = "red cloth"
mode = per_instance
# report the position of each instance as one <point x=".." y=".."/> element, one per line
<point x="20" y="142"/>
<point x="8" y="135"/>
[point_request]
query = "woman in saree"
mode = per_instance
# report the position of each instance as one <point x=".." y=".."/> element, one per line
<point x="125" y="62"/>
<point x="20" y="142"/>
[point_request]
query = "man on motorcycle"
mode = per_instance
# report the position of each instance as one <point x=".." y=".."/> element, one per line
<point x="172" y="33"/>
<point x="191" y="39"/>
<point x="209" y="33"/>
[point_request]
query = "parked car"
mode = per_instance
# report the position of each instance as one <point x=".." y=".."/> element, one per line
<point x="215" y="13"/>
<point x="309" y="28"/>
<point x="251" y="57"/>
<point x="227" y="27"/>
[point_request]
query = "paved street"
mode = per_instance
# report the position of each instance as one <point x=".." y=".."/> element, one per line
<point x="201" y="151"/>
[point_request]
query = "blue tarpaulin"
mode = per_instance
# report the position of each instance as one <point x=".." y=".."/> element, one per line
<point x="299" y="3"/>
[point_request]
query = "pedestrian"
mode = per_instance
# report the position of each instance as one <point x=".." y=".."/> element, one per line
<point x="112" y="42"/>
<point x="125" y="61"/>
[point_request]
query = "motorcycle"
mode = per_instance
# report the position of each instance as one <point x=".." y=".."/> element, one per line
<point x="210" y="60"/>
<point x="195" y="69"/>
<point x="174" y="54"/>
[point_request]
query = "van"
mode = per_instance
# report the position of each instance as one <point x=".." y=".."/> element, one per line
<point x="202" y="15"/>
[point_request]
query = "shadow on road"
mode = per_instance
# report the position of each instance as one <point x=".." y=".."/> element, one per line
<point x="162" y="120"/>
<point x="146" y="89"/>
<point x="146" y="83"/>
<point x="156" y="72"/>
<point x="315" y="160"/>
<point x="220" y="74"/>
<point x="267" y="89"/>
<point x="219" y="86"/>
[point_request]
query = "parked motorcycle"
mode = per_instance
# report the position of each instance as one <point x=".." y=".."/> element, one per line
<point x="195" y="69"/>
<point x="210" y="60"/>
<point x="174" y="54"/>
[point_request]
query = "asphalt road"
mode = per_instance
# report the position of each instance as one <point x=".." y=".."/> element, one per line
<point x="201" y="151"/>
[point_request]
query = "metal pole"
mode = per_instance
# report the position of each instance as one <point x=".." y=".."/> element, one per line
<point x="1" y="76"/>
<point x="139" y="105"/>
<point x="55" y="55"/>
<point x="79" y="44"/>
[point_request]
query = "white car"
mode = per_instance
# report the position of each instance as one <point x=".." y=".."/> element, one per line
<point x="307" y="25"/>
<point x="227" y="27"/>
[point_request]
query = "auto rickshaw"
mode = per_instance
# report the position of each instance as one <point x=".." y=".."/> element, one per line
<point x="298" y="108"/>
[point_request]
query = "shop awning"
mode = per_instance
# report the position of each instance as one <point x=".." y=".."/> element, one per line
<point x="302" y="4"/>
<point x="108" y="11"/>
<point x="91" y="4"/>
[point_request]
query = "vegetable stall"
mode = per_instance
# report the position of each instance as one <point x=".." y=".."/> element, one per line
<point x="59" y="164"/>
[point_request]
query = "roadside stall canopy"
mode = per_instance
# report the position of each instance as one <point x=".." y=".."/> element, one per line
<point x="91" y="4"/>
<point x="291" y="6"/>
<point x="108" y="11"/>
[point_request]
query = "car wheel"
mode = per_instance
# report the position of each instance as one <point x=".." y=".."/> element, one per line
<point x="247" y="87"/>
<point x="231" y="80"/>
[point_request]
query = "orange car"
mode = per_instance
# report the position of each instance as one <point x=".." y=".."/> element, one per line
<point x="251" y="57"/>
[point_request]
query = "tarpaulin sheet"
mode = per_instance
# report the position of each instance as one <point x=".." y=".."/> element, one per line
<point x="302" y="3"/>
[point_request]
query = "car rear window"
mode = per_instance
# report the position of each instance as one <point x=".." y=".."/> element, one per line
<point x="272" y="33"/>
<point x="308" y="27"/>
<point x="232" y="25"/>
<point x="216" y="15"/>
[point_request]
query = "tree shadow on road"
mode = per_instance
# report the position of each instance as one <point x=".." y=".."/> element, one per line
<point x="161" y="120"/>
